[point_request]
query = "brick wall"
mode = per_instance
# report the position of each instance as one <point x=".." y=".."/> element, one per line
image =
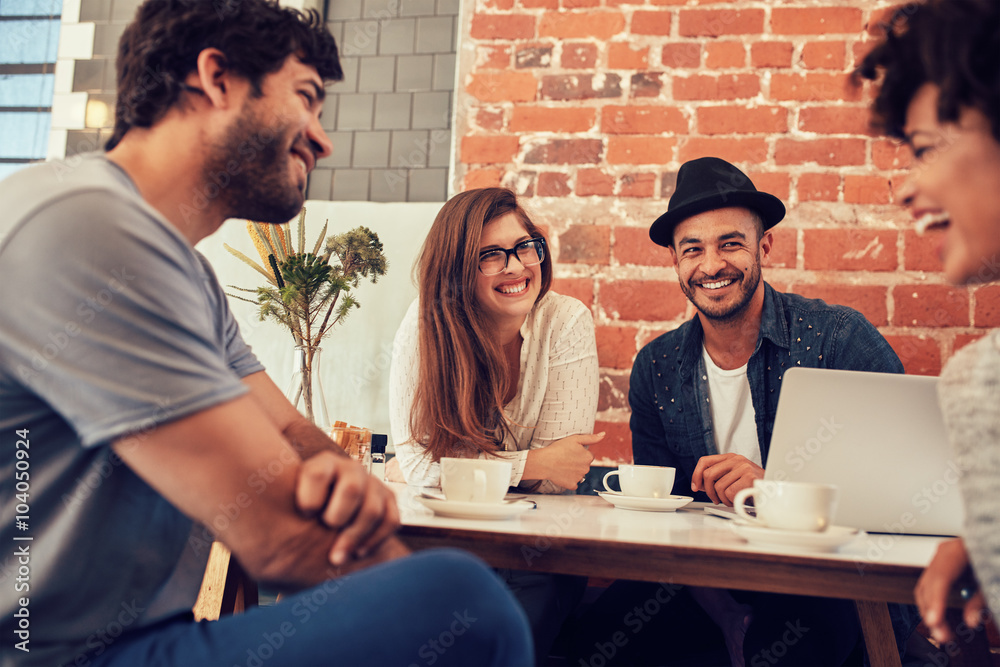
<point x="588" y="107"/>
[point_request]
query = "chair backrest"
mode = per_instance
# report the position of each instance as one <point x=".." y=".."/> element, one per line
<point x="226" y="588"/>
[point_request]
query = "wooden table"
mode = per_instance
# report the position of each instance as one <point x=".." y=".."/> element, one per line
<point x="585" y="535"/>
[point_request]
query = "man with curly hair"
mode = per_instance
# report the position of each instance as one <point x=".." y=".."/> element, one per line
<point x="150" y="426"/>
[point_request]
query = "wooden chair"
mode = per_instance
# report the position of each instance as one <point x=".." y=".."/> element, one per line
<point x="226" y="588"/>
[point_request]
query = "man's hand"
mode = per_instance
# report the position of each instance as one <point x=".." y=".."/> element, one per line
<point x="341" y="493"/>
<point x="722" y="476"/>
<point x="949" y="566"/>
<point x="564" y="462"/>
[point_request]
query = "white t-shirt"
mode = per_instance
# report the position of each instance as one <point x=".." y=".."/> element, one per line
<point x="556" y="393"/>
<point x="733" y="417"/>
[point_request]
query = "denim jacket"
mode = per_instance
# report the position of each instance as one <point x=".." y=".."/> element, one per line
<point x="671" y="420"/>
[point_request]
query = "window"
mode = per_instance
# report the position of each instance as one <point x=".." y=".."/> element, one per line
<point x="29" y="31"/>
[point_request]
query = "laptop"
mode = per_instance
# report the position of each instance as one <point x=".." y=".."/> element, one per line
<point x="880" y="438"/>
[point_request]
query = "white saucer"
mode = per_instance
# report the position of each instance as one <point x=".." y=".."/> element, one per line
<point x="827" y="541"/>
<point x="466" y="510"/>
<point x="643" y="504"/>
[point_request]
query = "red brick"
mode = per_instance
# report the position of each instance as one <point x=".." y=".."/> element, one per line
<point x="645" y="84"/>
<point x="849" y="250"/>
<point x="866" y="189"/>
<point x="640" y="150"/>
<point x="502" y="26"/>
<point x="522" y="183"/>
<point x="573" y="25"/>
<point x="771" y="54"/>
<point x="578" y="288"/>
<point x="482" y="178"/>
<point x="827" y="152"/>
<point x="651" y="23"/>
<point x="742" y="120"/>
<point x="493" y="57"/>
<point x="987" y="311"/>
<point x="815" y="20"/>
<point x="490" y="120"/>
<point x="783" y="250"/>
<point x="581" y="87"/>
<point x="533" y="55"/>
<point x="684" y="54"/>
<point x="616" y="347"/>
<point x="813" y="86"/>
<point x="632" y="246"/>
<point x="776" y="183"/>
<point x="616" y="447"/>
<point x="612" y="390"/>
<point x="594" y="182"/>
<point x="503" y="5"/>
<point x="921" y="355"/>
<point x="642" y="300"/>
<point x="552" y="119"/>
<point x="590" y="244"/>
<point x="578" y="56"/>
<point x="715" y="22"/>
<point x="552" y="184"/>
<point x="539" y="4"/>
<point x="478" y="149"/>
<point x="920" y="252"/>
<point x="720" y="55"/>
<point x="961" y="340"/>
<point x="577" y="4"/>
<point x="824" y="55"/>
<point x="565" y="151"/>
<point x="890" y="155"/>
<point x="930" y="306"/>
<point x="818" y="187"/>
<point x="642" y="120"/>
<point x="502" y="86"/>
<point x="711" y="87"/>
<point x="869" y="300"/>
<point x="637" y="185"/>
<point x="877" y="22"/>
<point x="834" y="120"/>
<point x="621" y="55"/>
<point x="749" y="150"/>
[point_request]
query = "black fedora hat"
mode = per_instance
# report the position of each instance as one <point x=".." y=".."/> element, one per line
<point x="709" y="183"/>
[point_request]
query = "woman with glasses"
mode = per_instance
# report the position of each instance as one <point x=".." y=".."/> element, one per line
<point x="488" y="362"/>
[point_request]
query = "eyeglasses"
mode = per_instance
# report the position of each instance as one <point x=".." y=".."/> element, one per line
<point x="529" y="253"/>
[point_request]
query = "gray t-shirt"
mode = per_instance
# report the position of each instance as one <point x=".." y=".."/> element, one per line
<point x="110" y="324"/>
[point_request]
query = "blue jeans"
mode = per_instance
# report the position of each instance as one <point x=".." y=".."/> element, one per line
<point x="439" y="607"/>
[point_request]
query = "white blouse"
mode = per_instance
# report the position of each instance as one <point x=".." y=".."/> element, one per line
<point x="556" y="394"/>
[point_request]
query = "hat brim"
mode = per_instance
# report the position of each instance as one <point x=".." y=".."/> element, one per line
<point x="768" y="206"/>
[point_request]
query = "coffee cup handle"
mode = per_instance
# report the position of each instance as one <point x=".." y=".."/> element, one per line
<point x="479" y="486"/>
<point x="740" y="507"/>
<point x="606" y="476"/>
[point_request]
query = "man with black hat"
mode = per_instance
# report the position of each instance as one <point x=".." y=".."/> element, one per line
<point x="703" y="400"/>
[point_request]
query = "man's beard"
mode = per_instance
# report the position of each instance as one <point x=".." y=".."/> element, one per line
<point x="259" y="189"/>
<point x="725" y="312"/>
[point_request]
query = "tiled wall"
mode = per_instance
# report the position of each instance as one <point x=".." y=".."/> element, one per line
<point x="390" y="118"/>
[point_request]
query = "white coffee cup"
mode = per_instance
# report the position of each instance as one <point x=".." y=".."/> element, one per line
<point x="475" y="480"/>
<point x="643" y="481"/>
<point x="789" y="505"/>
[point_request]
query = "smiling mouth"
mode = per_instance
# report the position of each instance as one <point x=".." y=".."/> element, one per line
<point x="513" y="288"/>
<point x="932" y="221"/>
<point x="298" y="159"/>
<point x="717" y="284"/>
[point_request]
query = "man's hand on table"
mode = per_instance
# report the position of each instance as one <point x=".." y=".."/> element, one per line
<point x="564" y="462"/>
<point x="950" y="566"/>
<point x="722" y="476"/>
<point x="342" y="495"/>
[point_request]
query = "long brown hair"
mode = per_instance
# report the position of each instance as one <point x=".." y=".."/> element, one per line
<point x="458" y="406"/>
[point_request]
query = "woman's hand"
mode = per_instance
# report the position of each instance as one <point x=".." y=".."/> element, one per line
<point x="949" y="566"/>
<point x="564" y="462"/>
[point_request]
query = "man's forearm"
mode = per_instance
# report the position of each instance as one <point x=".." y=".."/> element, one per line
<point x="308" y="440"/>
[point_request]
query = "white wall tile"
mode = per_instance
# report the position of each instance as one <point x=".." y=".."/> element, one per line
<point x="71" y="11"/>
<point x="76" y="40"/>
<point x="64" y="76"/>
<point x="57" y="144"/>
<point x="69" y="111"/>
